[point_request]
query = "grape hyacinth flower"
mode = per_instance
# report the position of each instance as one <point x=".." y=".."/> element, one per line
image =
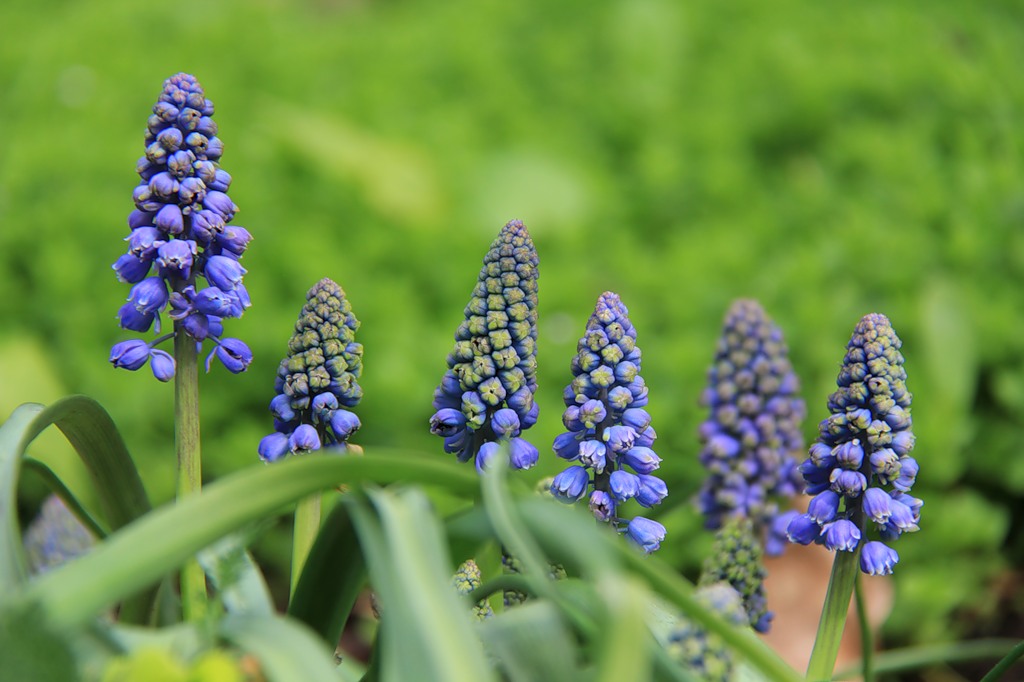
<point x="860" y="471"/>
<point x="180" y="236"/>
<point x="486" y="396"/>
<point x="609" y="433"/>
<point x="55" y="537"/>
<point x="751" y="437"/>
<point x="467" y="579"/>
<point x="317" y="380"/>
<point x="700" y="652"/>
<point x="736" y="560"/>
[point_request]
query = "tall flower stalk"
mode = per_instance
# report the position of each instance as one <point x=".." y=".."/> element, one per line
<point x="180" y="237"/>
<point x="317" y="384"/>
<point x="485" y="399"/>
<point x="609" y="435"/>
<point x="860" y="473"/>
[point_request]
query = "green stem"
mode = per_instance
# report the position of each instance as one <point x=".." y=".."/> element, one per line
<point x="833" y="615"/>
<point x="307" y="525"/>
<point x="1004" y="665"/>
<point x="867" y="645"/>
<point x="190" y="478"/>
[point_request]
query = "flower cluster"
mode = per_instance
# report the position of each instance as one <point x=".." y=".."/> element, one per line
<point x="486" y="396"/>
<point x="316" y="381"/>
<point x="467" y="579"/>
<point x="860" y="469"/>
<point x="609" y="432"/>
<point x="180" y="233"/>
<point x="703" y="653"/>
<point x="736" y="560"/>
<point x="750" y="439"/>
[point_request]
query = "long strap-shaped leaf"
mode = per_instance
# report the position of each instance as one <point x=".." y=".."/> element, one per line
<point x="91" y="431"/>
<point x="165" y="538"/>
<point x="332" y="577"/>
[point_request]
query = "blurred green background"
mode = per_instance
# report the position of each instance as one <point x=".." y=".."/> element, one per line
<point x="830" y="159"/>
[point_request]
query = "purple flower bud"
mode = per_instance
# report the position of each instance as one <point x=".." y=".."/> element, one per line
<point x="646" y="439"/>
<point x="642" y="460"/>
<point x="567" y="446"/>
<point x="646" y="533"/>
<point x="823" y="507"/>
<point x="281" y="408"/>
<point x="803" y="530"/>
<point x="623" y="485"/>
<point x="821" y="455"/>
<point x="144" y="241"/>
<point x="191" y="191"/>
<point x="722" y="446"/>
<point x="505" y="423"/>
<point x="841" y="535"/>
<point x="849" y="455"/>
<point x="652" y="490"/>
<point x="234" y="239"/>
<point x="447" y="422"/>
<point x="877" y="505"/>
<point x="602" y="506"/>
<point x="522" y="454"/>
<point x="487" y="452"/>
<point x="129" y="354"/>
<point x="149" y="296"/>
<point x="776" y="539"/>
<point x="174" y="258"/>
<point x="619" y="438"/>
<point x="570" y="485"/>
<point x="593" y="454"/>
<point x="848" y="483"/>
<point x="221" y="204"/>
<point x="592" y="413"/>
<point x="207" y="226"/>
<point x="908" y="474"/>
<point x="902" y="442"/>
<point x="131" y="269"/>
<point x="213" y="301"/>
<point x="170" y="220"/>
<point x="273" y="447"/>
<point x="637" y="418"/>
<point x="902" y="518"/>
<point x="223" y="272"/>
<point x="162" y="364"/>
<point x="344" y="424"/>
<point x="163" y="185"/>
<point x="303" y="440"/>
<point x="221" y="181"/>
<point x="233" y="353"/>
<point x="132" y="319"/>
<point x="877" y="558"/>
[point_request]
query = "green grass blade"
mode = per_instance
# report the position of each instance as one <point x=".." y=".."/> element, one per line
<point x="57" y="487"/>
<point x="334" y="573"/>
<point x="425" y="626"/>
<point x="286" y="649"/>
<point x="13" y="570"/>
<point x="141" y="553"/>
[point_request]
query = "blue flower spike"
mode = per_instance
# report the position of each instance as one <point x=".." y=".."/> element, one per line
<point x="486" y="396"/>
<point x="317" y="381"/>
<point x="180" y="237"/>
<point x="609" y="434"/>
<point x="752" y="436"/>
<point x="860" y="472"/>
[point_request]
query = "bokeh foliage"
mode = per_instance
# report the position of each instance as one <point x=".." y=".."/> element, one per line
<point x="829" y="159"/>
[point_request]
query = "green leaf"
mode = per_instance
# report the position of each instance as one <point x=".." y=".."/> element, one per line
<point x="334" y="573"/>
<point x="92" y="433"/>
<point x="531" y="642"/>
<point x="165" y="538"/>
<point x="30" y="648"/>
<point x="237" y="578"/>
<point x="286" y="649"/>
<point x="426" y="628"/>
